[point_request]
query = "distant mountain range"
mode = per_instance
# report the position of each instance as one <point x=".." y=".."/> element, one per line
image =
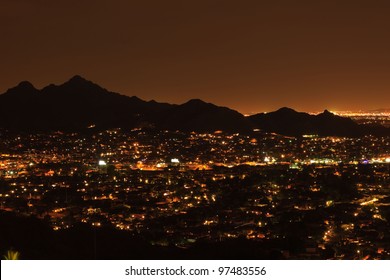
<point x="78" y="104"/>
<point x="286" y="121"/>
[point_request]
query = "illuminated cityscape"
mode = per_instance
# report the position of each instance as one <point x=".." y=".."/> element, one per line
<point x="381" y="117"/>
<point x="304" y="197"/>
<point x="207" y="129"/>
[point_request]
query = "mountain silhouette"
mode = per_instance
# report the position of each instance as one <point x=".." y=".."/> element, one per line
<point x="78" y="104"/>
<point x="197" y="115"/>
<point x="74" y="105"/>
<point x="287" y="121"/>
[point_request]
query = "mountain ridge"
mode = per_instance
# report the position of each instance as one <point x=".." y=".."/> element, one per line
<point x="79" y="103"/>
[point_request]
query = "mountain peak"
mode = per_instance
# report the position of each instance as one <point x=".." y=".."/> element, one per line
<point x="327" y="112"/>
<point x="25" y="85"/>
<point x="24" y="88"/>
<point x="196" y="104"/>
<point x="285" y="110"/>
<point x="77" y="82"/>
<point x="195" y="101"/>
<point x="77" y="78"/>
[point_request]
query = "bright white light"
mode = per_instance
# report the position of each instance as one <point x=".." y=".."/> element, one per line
<point x="102" y="163"/>
<point x="387" y="160"/>
<point x="175" y="160"/>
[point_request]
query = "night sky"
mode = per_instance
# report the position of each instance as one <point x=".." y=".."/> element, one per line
<point x="250" y="55"/>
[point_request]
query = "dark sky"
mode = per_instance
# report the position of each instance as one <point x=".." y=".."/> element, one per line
<point x="250" y="55"/>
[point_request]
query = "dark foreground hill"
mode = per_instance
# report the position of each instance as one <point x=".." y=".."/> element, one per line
<point x="35" y="240"/>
